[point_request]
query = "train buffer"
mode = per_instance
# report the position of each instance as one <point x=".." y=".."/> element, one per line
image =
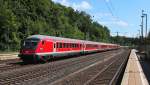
<point x="134" y="74"/>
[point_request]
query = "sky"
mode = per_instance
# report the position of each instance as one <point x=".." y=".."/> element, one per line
<point x="122" y="16"/>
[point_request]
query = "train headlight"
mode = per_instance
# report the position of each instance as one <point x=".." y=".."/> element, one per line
<point x="41" y="49"/>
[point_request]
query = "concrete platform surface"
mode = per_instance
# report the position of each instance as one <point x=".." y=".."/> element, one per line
<point x="5" y="56"/>
<point x="134" y="73"/>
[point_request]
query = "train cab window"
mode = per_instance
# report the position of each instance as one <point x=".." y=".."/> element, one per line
<point x="30" y="43"/>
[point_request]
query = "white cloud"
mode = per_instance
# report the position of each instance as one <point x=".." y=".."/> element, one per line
<point x="63" y="2"/>
<point x="107" y="0"/>
<point x="119" y="23"/>
<point x="84" y="5"/>
<point x="109" y="19"/>
<point x="122" y="23"/>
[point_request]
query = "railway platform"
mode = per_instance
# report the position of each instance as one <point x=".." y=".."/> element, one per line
<point x="134" y="74"/>
<point x="7" y="56"/>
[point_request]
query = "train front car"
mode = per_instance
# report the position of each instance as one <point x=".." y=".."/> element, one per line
<point x="35" y="48"/>
<point x="28" y="49"/>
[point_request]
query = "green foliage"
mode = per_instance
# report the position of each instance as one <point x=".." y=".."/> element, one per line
<point x="22" y="18"/>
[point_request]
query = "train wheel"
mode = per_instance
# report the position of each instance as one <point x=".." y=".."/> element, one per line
<point x="49" y="57"/>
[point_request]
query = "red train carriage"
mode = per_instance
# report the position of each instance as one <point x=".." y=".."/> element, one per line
<point x="41" y="47"/>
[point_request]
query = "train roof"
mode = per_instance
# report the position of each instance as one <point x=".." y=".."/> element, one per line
<point x="41" y="37"/>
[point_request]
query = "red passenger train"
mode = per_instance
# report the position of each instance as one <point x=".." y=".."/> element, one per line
<point x="43" y="48"/>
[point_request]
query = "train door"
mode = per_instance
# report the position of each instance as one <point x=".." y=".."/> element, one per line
<point x="54" y="46"/>
<point x="83" y="47"/>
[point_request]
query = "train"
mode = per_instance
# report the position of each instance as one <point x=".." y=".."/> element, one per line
<point x="43" y="48"/>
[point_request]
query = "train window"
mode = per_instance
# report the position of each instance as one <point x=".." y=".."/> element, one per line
<point x="57" y="45"/>
<point x="43" y="42"/>
<point x="60" y="45"/>
<point x="54" y="45"/>
<point x="76" y="45"/>
<point x="70" y="45"/>
<point x="87" y="46"/>
<point x="64" y="45"/>
<point x="67" y="45"/>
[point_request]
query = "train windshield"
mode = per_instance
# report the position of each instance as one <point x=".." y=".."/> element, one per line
<point x="30" y="43"/>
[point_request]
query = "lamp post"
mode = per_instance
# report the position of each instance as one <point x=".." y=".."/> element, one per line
<point x="145" y="15"/>
<point x="145" y="24"/>
<point x="142" y="25"/>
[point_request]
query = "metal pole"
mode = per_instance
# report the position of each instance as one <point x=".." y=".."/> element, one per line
<point x="142" y="26"/>
<point x="146" y="26"/>
<point x="139" y="34"/>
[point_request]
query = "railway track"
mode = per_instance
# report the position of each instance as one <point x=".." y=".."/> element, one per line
<point x="108" y="75"/>
<point x="10" y="61"/>
<point x="104" y="73"/>
<point x="51" y="72"/>
<point x="6" y="65"/>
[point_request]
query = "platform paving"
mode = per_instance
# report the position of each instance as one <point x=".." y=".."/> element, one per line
<point x="5" y="56"/>
<point x="134" y="74"/>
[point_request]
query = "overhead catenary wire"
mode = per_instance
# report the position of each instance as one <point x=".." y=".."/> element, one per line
<point x="108" y="7"/>
<point x="111" y="9"/>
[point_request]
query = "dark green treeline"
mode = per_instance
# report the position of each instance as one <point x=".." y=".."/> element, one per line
<point x="22" y="18"/>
